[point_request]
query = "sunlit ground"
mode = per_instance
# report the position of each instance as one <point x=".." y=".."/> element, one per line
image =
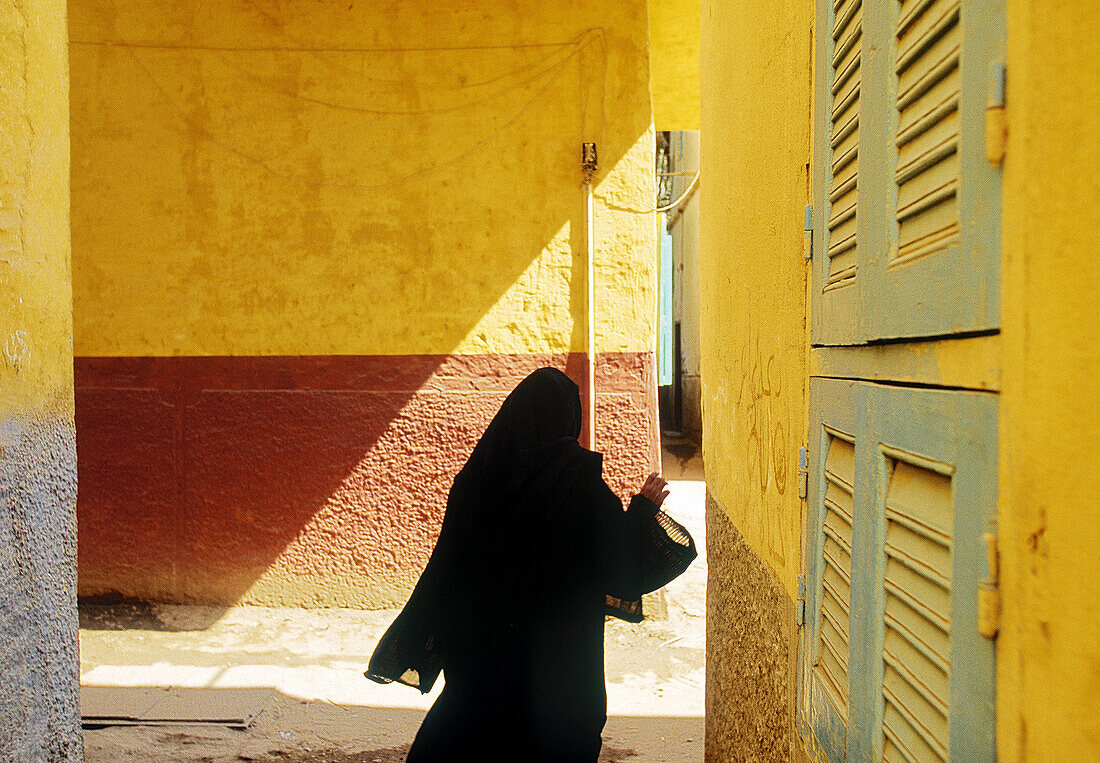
<point x="322" y="708"/>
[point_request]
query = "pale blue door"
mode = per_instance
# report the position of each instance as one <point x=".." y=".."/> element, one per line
<point x="901" y="475"/>
<point x="902" y="491"/>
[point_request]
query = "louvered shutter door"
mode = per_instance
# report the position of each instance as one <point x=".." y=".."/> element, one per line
<point x="936" y="265"/>
<point x="901" y="478"/>
<point x="907" y="208"/>
<point x="937" y="471"/>
<point x="835" y="590"/>
<point x="824" y="650"/>
<point x="836" y="271"/>
<point x="893" y="666"/>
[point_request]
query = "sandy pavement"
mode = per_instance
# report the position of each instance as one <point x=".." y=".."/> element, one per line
<point x="322" y="709"/>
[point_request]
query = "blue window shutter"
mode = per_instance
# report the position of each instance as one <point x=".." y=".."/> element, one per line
<point x="932" y="246"/>
<point x="907" y="207"/>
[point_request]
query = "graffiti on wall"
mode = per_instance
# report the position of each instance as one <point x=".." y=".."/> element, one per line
<point x="764" y="432"/>
<point x="15" y="348"/>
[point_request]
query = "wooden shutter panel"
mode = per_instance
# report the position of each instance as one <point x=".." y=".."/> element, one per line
<point x="916" y="649"/>
<point x="936" y="465"/>
<point x="843" y="197"/>
<point x="824" y="651"/>
<point x="933" y="209"/>
<point x="927" y="136"/>
<point x="836" y="569"/>
<point x="893" y="666"/>
<point x="837" y="132"/>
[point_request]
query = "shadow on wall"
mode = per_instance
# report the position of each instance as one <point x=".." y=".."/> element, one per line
<point x="196" y="490"/>
<point x="268" y="408"/>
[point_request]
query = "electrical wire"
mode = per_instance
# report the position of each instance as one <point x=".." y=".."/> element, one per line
<point x="549" y="69"/>
<point x="553" y="73"/>
<point x="684" y="195"/>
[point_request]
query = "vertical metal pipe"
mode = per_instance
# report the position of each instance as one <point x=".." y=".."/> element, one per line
<point x="590" y="319"/>
<point x="655" y="380"/>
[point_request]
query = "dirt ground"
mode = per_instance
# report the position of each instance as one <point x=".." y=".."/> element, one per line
<point x="318" y="706"/>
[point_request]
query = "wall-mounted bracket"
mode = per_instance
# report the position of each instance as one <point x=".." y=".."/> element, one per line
<point x="800" y="609"/>
<point x="808" y="233"/>
<point x="589" y="162"/>
<point x="803" y="472"/>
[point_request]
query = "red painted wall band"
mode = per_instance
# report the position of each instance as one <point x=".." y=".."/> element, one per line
<point x="200" y="476"/>
<point x="616" y="372"/>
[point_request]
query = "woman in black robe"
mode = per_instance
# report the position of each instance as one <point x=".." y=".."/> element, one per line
<point x="534" y="551"/>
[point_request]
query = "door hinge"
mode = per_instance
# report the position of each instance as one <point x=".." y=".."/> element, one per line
<point x="800" y="610"/>
<point x="996" y="124"/>
<point x="808" y="233"/>
<point x="989" y="589"/>
<point x="803" y="473"/>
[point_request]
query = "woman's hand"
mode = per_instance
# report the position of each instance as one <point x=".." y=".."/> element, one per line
<point x="654" y="489"/>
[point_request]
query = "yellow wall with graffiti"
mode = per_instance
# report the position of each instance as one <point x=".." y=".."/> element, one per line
<point x="36" y="370"/>
<point x="338" y="179"/>
<point x="1049" y="650"/>
<point x="753" y="302"/>
<point x="1044" y="362"/>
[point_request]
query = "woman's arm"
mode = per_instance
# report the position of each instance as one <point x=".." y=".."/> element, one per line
<point x="644" y="548"/>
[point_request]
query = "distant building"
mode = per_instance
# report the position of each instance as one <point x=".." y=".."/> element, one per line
<point x="678" y="348"/>
<point x="311" y="253"/>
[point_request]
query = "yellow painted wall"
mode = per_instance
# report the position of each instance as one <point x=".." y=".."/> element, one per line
<point x="39" y="695"/>
<point x="365" y="178"/>
<point x="755" y="124"/>
<point x="674" y="63"/>
<point x="755" y="121"/>
<point x="1049" y="648"/>
<point x="36" y="367"/>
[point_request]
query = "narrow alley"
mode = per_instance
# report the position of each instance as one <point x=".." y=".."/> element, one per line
<point x="300" y="672"/>
<point x="269" y="270"/>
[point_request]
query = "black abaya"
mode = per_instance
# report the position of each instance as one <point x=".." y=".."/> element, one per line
<point x="535" y="549"/>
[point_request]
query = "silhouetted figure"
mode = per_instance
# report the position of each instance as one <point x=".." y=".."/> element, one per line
<point x="534" y="550"/>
